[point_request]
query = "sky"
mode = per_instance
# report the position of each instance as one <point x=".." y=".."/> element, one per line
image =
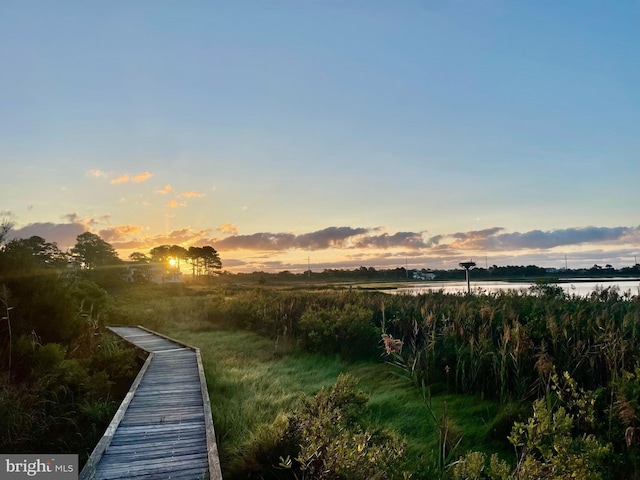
<point x="326" y="133"/>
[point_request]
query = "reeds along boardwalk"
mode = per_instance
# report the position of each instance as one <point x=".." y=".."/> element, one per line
<point x="163" y="428"/>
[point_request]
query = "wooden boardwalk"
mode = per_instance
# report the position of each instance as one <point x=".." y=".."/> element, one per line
<point x="163" y="429"/>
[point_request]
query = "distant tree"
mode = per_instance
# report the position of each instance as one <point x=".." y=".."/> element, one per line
<point x="212" y="261"/>
<point x="139" y="257"/>
<point x="160" y="254"/>
<point x="165" y="253"/>
<point x="91" y="251"/>
<point x="41" y="300"/>
<point x="5" y="228"/>
<point x="194" y="256"/>
<point x="178" y="253"/>
<point x="44" y="254"/>
<point x="204" y="260"/>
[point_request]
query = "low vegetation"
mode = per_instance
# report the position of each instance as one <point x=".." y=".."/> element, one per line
<point x="61" y="378"/>
<point x="331" y="383"/>
<point x="507" y="352"/>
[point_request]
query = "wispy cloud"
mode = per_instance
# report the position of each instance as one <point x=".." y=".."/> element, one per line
<point x="175" y="204"/>
<point x="142" y="177"/>
<point x="164" y="190"/>
<point x="138" y="178"/>
<point x="192" y="194"/>
<point x="121" y="179"/>
<point x="96" y="173"/>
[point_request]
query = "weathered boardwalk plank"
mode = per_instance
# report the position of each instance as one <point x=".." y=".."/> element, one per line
<point x="163" y="429"/>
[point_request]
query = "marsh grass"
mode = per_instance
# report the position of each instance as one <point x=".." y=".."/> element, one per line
<point x="266" y="349"/>
<point x="258" y="379"/>
<point x="250" y="388"/>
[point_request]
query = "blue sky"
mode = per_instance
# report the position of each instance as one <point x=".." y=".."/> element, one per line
<point x="336" y="132"/>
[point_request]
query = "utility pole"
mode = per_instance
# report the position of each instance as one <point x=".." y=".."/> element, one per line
<point x="467" y="266"/>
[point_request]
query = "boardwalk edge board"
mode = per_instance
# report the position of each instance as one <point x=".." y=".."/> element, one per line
<point x="144" y="341"/>
<point x="214" y="459"/>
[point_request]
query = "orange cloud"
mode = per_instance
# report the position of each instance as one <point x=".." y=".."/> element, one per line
<point x="228" y="228"/>
<point x="183" y="236"/>
<point x="167" y="188"/>
<point x="118" y="232"/>
<point x="174" y="204"/>
<point x="121" y="179"/>
<point x="142" y="177"/>
<point x="192" y="194"/>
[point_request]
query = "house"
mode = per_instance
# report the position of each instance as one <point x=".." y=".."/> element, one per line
<point x="422" y="275"/>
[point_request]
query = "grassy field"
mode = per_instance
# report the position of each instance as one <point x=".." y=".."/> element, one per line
<point x="250" y="386"/>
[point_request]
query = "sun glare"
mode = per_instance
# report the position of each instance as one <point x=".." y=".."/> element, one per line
<point x="172" y="262"/>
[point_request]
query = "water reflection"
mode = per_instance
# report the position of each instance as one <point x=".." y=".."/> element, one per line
<point x="580" y="288"/>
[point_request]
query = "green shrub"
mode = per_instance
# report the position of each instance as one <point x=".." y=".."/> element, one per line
<point x="324" y="440"/>
<point x="260" y="456"/>
<point x="348" y="330"/>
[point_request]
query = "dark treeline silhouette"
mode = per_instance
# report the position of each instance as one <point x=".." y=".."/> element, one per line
<point x="511" y="272"/>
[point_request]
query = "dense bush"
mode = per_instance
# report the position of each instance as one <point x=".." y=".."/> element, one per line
<point x="323" y="440"/>
<point x="555" y="443"/>
<point x="348" y="330"/>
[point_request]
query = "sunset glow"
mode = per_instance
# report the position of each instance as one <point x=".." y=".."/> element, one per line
<point x="329" y="134"/>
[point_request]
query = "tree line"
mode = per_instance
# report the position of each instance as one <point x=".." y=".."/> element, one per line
<point x="203" y="260"/>
<point x="494" y="272"/>
<point x="93" y="254"/>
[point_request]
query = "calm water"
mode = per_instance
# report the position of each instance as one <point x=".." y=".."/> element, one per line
<point x="572" y="288"/>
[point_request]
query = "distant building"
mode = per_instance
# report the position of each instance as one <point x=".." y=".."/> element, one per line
<point x="421" y="275"/>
